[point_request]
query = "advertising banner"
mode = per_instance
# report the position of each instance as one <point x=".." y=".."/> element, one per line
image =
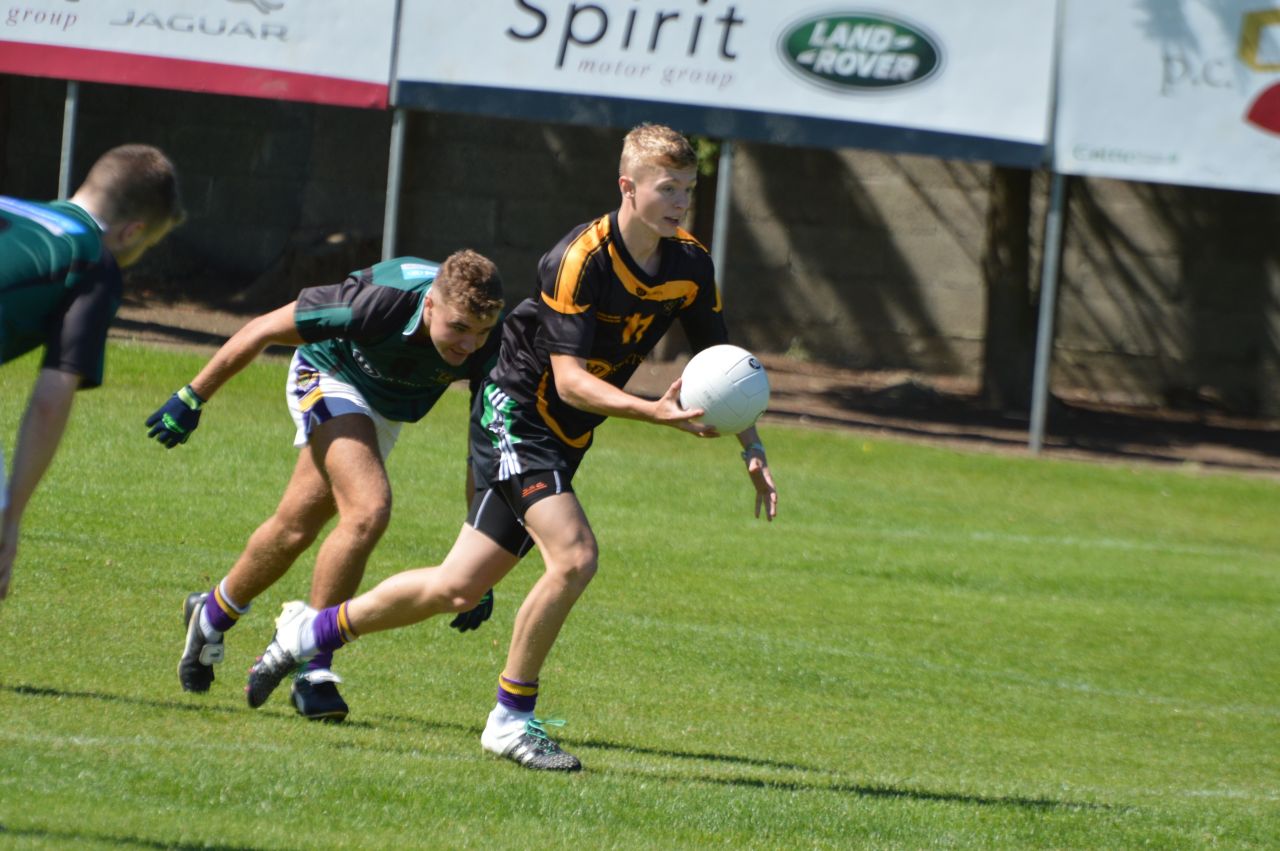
<point x="323" y="51"/>
<point x="952" y="79"/>
<point x="1171" y="92"/>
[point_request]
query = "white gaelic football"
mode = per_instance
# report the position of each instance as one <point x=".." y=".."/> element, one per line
<point x="729" y="384"/>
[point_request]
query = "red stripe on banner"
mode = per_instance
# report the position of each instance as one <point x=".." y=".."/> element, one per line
<point x="131" y="69"/>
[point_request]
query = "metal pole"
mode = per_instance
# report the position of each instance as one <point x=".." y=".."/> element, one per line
<point x="395" y="168"/>
<point x="1049" y="272"/>
<point x="720" y="225"/>
<point x="69" y="111"/>
<point x="395" y="162"/>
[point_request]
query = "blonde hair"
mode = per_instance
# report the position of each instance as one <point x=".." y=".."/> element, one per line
<point x="655" y="145"/>
<point x="470" y="281"/>
<point x="136" y="183"/>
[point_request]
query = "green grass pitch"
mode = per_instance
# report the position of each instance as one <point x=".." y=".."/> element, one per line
<point x="928" y="649"/>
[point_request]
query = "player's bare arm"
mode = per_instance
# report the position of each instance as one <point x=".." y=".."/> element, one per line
<point x="172" y="424"/>
<point x="577" y="386"/>
<point x="244" y="346"/>
<point x="38" y="439"/>
<point x="758" y="469"/>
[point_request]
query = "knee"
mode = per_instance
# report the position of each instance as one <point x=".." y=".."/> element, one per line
<point x="291" y="534"/>
<point x="465" y="599"/>
<point x="455" y="593"/>
<point x="369" y="521"/>
<point x="578" y="566"/>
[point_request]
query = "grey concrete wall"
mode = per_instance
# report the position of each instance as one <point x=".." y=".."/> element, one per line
<point x="509" y="189"/>
<point x="262" y="181"/>
<point x="859" y="258"/>
<point x="1169" y="296"/>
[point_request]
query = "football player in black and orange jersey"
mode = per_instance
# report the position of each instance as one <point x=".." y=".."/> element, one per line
<point x="607" y="293"/>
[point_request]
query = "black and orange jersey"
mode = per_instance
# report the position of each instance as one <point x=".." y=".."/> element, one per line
<point x="594" y="302"/>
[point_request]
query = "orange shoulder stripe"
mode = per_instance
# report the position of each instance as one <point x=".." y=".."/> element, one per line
<point x="573" y="265"/>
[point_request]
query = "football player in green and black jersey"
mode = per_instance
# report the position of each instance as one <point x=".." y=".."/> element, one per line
<point x="60" y="287"/>
<point x="374" y="352"/>
<point x="606" y="294"/>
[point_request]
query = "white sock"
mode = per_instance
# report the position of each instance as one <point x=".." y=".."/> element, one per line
<point x="208" y="628"/>
<point x="211" y="634"/>
<point x="226" y="598"/>
<point x="307" y="634"/>
<point x="504" y="720"/>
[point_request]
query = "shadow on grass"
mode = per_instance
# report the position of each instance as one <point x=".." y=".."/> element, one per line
<point x="196" y="704"/>
<point x="170" y="332"/>
<point x="862" y="790"/>
<point x="23" y="690"/>
<point x="74" y="838"/>
<point x="823" y="780"/>
<point x="867" y="791"/>
<point x="192" y="336"/>
<point x="916" y="411"/>
<point x="817" y="784"/>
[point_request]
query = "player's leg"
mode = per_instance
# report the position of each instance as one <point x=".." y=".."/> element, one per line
<point x="476" y="563"/>
<point x="273" y="547"/>
<point x="307" y="505"/>
<point x="562" y="533"/>
<point x="347" y="451"/>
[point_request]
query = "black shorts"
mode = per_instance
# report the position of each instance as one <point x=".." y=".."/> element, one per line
<point x="509" y="440"/>
<point x="498" y="511"/>
<point x="516" y="462"/>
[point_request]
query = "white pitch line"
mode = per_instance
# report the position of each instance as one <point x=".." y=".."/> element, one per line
<point x="741" y="637"/>
<point x="1085" y="543"/>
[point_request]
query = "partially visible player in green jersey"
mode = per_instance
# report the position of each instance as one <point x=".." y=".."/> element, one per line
<point x="374" y="351"/>
<point x="60" y="287"/>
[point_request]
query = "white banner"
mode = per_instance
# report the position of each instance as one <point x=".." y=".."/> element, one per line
<point x="1176" y="92"/>
<point x="981" y="68"/>
<point x="329" y="51"/>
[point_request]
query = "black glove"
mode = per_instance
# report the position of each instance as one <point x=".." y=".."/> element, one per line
<point x="177" y="418"/>
<point x="471" y="620"/>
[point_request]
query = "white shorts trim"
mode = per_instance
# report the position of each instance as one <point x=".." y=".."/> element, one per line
<point x="315" y="397"/>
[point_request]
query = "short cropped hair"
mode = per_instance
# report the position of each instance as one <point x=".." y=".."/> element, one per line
<point x="655" y="145"/>
<point x="470" y="281"/>
<point x="136" y="183"/>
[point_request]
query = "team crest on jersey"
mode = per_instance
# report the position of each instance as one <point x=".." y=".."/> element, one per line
<point x="599" y="368"/>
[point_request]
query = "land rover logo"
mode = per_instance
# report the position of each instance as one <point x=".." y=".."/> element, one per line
<point x="859" y="51"/>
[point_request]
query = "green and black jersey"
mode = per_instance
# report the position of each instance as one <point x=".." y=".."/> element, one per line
<point x="363" y="332"/>
<point x="596" y="303"/>
<point x="59" y="288"/>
